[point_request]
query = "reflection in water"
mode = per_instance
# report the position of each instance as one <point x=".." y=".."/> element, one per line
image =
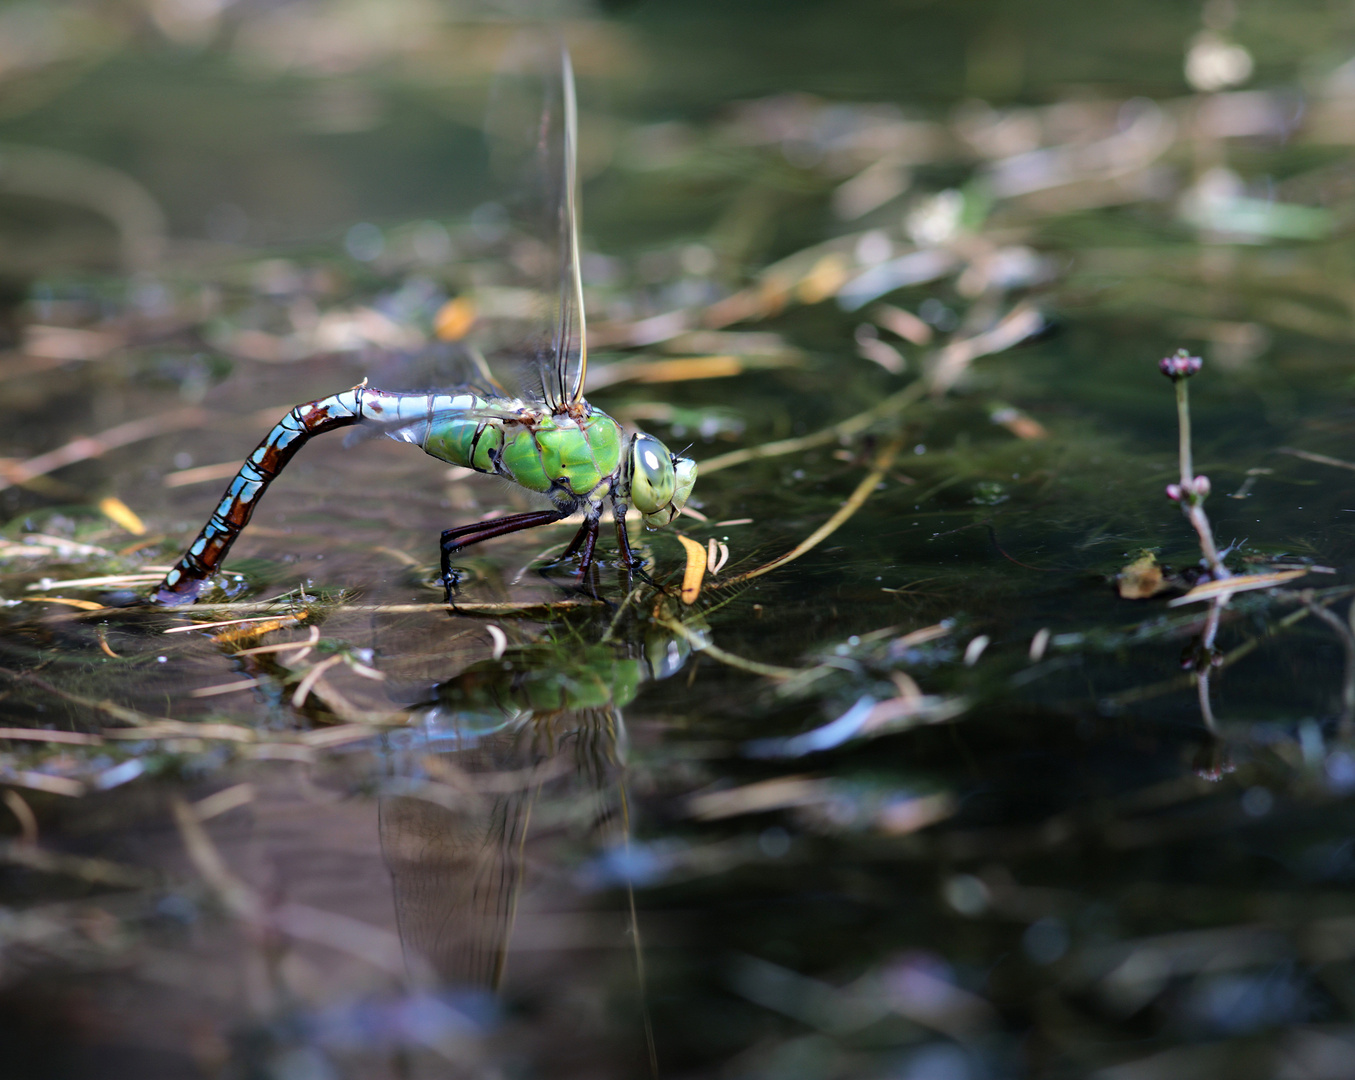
<point x="454" y="821"/>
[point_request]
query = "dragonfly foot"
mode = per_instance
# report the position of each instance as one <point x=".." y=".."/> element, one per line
<point x="451" y="584"/>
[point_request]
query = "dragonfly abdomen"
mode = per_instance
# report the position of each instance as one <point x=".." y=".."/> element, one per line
<point x="183" y="583"/>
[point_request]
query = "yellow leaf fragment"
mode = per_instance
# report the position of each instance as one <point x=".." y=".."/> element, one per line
<point x="454" y="319"/>
<point x="1142" y="578"/>
<point x="120" y="513"/>
<point x="682" y="369"/>
<point x="828" y="275"/>
<point x="248" y="632"/>
<point x="695" y="571"/>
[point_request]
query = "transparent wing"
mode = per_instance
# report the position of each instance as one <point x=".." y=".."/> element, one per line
<point x="532" y="128"/>
<point x="407" y="417"/>
<point x="456" y="873"/>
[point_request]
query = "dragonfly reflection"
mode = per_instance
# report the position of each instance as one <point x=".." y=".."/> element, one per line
<point x="545" y="716"/>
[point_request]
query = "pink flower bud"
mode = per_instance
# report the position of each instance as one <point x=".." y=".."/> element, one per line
<point x="1180" y="365"/>
<point x="1174" y="492"/>
<point x="1201" y="486"/>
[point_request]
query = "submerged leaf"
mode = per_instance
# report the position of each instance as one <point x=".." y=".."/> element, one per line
<point x="1142" y="578"/>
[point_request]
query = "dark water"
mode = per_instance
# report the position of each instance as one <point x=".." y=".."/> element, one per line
<point x="932" y="800"/>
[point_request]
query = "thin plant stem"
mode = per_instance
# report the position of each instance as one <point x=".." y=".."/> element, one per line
<point x="1192" y="501"/>
<point x="1206" y="708"/>
<point x="1183" y="426"/>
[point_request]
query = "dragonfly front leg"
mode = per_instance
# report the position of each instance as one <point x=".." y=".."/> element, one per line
<point x="628" y="557"/>
<point x="585" y="540"/>
<point x="453" y="540"/>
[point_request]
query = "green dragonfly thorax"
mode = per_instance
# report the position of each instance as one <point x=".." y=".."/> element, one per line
<point x="574" y="457"/>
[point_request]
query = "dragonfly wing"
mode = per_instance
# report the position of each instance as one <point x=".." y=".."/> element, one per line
<point x="456" y="873"/>
<point x="532" y="128"/>
<point x="407" y="417"/>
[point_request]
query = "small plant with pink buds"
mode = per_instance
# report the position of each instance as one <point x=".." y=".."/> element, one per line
<point x="1190" y="493"/>
<point x="1191" y="490"/>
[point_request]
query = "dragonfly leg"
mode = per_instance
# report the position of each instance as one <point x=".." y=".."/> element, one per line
<point x="628" y="557"/>
<point x="585" y="540"/>
<point x="453" y="540"/>
<point x="589" y="542"/>
<point x="578" y="541"/>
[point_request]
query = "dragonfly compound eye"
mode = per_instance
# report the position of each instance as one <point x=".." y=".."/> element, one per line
<point x="652" y="478"/>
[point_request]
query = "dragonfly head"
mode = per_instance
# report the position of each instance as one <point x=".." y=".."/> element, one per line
<point x="660" y="482"/>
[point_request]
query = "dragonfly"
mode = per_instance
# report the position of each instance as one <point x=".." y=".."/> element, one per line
<point x="551" y="442"/>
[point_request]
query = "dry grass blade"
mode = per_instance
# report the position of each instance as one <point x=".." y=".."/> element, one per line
<point x="110" y="580"/>
<point x="854" y="503"/>
<point x="953" y="360"/>
<point x="779" y="793"/>
<point x="177" y="729"/>
<point x="235" y="895"/>
<point x="52" y="785"/>
<point x="93" y="870"/>
<point x="23" y="813"/>
<point x="92" y="446"/>
<point x="224" y="688"/>
<point x="524" y="608"/>
<point x="338" y="736"/>
<point x="919" y="637"/>
<point x="299" y="647"/>
<point x="74" y="738"/>
<point x="223" y="801"/>
<point x="202" y="474"/>
<point x="700" y="643"/>
<point x="234" y="622"/>
<point x="1320" y="459"/>
<point x="83" y="605"/>
<point x="312" y="677"/>
<point x="845" y="429"/>
<point x="1227" y="586"/>
<point x="108" y="708"/>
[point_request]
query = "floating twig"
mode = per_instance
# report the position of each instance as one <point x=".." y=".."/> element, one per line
<point x="857" y="499"/>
